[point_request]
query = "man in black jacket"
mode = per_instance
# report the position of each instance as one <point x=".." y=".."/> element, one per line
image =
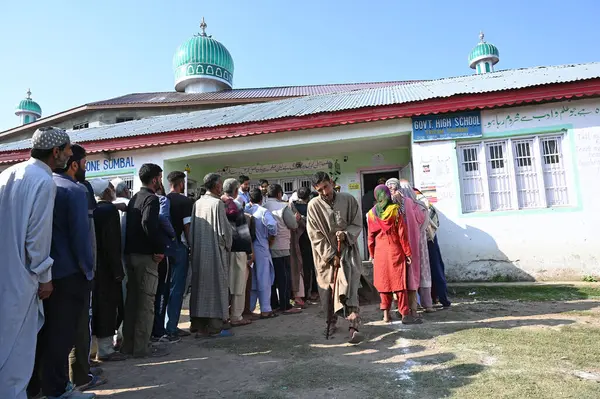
<point x="144" y="250"/>
<point x="109" y="270"/>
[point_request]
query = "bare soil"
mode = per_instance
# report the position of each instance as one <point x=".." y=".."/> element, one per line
<point x="470" y="350"/>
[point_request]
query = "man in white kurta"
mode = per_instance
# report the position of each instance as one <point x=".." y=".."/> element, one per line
<point x="27" y="194"/>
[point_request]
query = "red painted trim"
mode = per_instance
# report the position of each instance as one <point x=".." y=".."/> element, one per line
<point x="550" y="92"/>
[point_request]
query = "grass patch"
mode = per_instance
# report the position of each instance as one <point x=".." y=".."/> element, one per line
<point x="583" y="313"/>
<point x="502" y="278"/>
<point x="528" y="363"/>
<point x="526" y="293"/>
<point x="524" y="347"/>
<point x="398" y="380"/>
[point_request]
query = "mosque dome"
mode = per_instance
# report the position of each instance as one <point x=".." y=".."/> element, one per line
<point x="202" y="64"/>
<point x="28" y="110"/>
<point x="27" y="105"/>
<point x="484" y="56"/>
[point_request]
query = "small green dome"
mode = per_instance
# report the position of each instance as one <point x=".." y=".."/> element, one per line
<point x="482" y="51"/>
<point x="28" y="105"/>
<point x="202" y="56"/>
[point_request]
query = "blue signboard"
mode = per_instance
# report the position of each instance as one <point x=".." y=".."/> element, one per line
<point x="446" y="126"/>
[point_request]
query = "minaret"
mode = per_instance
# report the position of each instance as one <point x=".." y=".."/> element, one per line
<point x="484" y="56"/>
<point x="28" y="110"/>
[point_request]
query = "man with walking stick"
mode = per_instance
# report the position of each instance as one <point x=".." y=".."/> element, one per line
<point x="334" y="224"/>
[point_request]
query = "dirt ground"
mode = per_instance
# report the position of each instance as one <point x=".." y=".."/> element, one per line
<point x="461" y="352"/>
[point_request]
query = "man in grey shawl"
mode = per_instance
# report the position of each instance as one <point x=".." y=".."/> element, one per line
<point x="211" y="238"/>
<point x="334" y="223"/>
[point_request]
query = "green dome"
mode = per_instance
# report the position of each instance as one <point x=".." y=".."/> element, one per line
<point x="482" y="51"/>
<point x="28" y="105"/>
<point x="202" y="56"/>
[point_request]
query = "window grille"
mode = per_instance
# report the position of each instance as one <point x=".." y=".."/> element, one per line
<point x="509" y="174"/>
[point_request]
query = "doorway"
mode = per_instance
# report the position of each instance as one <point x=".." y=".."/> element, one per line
<point x="370" y="181"/>
<point x="367" y="201"/>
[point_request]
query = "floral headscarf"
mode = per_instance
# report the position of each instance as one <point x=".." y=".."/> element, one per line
<point x="385" y="212"/>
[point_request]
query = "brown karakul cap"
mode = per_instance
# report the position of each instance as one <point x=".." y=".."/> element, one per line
<point x="46" y="138"/>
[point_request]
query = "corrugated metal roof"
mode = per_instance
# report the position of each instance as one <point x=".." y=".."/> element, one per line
<point x="311" y="105"/>
<point x="241" y="94"/>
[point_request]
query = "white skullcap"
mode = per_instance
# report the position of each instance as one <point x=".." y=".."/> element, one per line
<point x="99" y="186"/>
<point x="119" y="184"/>
<point x="47" y="138"/>
<point x="294" y="197"/>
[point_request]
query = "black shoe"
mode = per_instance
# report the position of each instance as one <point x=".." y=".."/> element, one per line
<point x="182" y="333"/>
<point x="165" y="339"/>
<point x="172" y="338"/>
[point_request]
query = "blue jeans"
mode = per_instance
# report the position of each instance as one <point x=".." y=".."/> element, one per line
<point x="438" y="271"/>
<point x="178" y="279"/>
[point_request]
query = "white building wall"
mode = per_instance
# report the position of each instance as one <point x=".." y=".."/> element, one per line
<point x="269" y="145"/>
<point x="547" y="243"/>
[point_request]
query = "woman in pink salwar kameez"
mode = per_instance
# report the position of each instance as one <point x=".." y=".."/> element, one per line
<point x="416" y="218"/>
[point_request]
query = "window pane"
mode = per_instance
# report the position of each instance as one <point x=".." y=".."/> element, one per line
<point x="471" y="180"/>
<point x="306" y="183"/>
<point x="470" y="159"/>
<point x="528" y="191"/>
<point x="288" y="186"/>
<point x="555" y="179"/>
<point x="498" y="176"/>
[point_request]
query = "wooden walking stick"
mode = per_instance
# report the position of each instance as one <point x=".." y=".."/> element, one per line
<point x="330" y="311"/>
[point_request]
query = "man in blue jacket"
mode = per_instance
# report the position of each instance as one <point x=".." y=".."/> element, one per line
<point x="72" y="272"/>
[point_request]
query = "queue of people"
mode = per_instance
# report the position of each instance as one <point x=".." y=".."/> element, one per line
<point x="405" y="253"/>
<point x="85" y="258"/>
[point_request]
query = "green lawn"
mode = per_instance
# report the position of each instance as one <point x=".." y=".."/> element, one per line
<point x="526" y="293"/>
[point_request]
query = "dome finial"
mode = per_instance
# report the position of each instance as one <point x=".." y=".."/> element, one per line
<point x="203" y="27"/>
<point x="29" y="94"/>
<point x="481" y="36"/>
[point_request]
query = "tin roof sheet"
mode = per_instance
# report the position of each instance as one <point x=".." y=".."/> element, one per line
<point x="241" y="94"/>
<point x="334" y="102"/>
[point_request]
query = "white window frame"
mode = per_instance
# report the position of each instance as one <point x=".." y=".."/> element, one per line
<point x="296" y="182"/>
<point x="538" y="166"/>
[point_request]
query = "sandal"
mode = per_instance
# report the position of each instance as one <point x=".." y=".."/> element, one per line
<point x="299" y="304"/>
<point x="408" y="319"/>
<point x="270" y="315"/>
<point x="112" y="357"/>
<point x="243" y="322"/>
<point x="96" y="381"/>
<point x="356" y="337"/>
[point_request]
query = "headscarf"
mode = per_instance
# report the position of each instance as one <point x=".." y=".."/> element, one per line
<point x="385" y="212"/>
<point x="395" y="184"/>
<point x="383" y="197"/>
<point x="407" y="191"/>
